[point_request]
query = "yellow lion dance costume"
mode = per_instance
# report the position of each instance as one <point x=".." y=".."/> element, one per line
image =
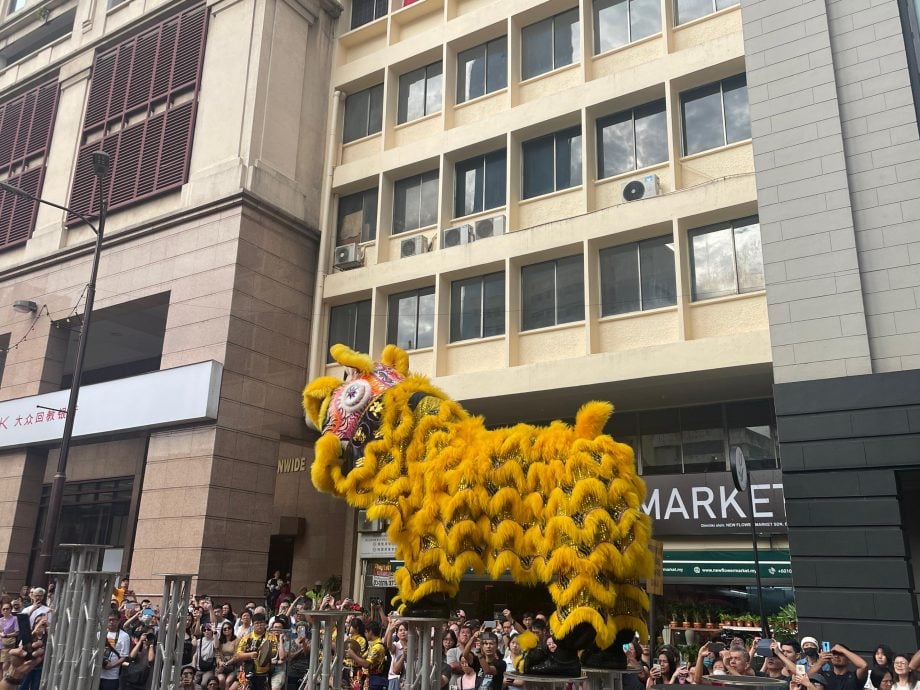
<point x="558" y="505"/>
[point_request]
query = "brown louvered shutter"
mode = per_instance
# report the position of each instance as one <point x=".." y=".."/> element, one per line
<point x="141" y="110"/>
<point x="26" y="122"/>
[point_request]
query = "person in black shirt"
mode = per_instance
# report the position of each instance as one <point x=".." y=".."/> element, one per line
<point x="840" y="676"/>
<point x="489" y="667"/>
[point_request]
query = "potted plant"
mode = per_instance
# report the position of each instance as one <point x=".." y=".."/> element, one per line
<point x="698" y="615"/>
<point x="688" y="615"/>
<point x="727" y="618"/>
<point x="711" y="614"/>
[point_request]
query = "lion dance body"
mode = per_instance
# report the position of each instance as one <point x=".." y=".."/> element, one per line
<point x="558" y="505"/>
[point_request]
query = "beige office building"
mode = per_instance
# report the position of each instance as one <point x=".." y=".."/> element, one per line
<point x="552" y="202"/>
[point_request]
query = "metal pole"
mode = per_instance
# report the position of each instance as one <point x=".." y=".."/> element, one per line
<point x="43" y="562"/>
<point x="764" y="624"/>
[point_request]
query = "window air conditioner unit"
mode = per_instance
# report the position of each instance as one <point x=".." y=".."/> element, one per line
<point x="413" y="246"/>
<point x="347" y="256"/>
<point x="490" y="227"/>
<point x="366" y="525"/>
<point x="642" y="188"/>
<point x="454" y="237"/>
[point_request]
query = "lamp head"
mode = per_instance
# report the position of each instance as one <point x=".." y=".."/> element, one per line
<point x="25" y="306"/>
<point x="102" y="162"/>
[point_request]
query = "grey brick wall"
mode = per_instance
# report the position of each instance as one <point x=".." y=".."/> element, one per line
<point x="844" y="442"/>
<point x="837" y="156"/>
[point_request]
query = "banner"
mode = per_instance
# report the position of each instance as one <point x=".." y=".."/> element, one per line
<point x="382" y="575"/>
<point x="694" y="504"/>
<point x="736" y="566"/>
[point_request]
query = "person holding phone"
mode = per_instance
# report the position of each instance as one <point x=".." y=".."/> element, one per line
<point x="664" y="670"/>
<point x="23" y="664"/>
<point x="705" y="659"/>
<point x="841" y="677"/>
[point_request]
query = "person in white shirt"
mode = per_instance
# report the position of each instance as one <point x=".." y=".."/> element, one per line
<point x="117" y="650"/>
<point x="38" y="607"/>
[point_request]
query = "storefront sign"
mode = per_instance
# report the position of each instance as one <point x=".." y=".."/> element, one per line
<point x="160" y="398"/>
<point x="726" y="565"/>
<point x="287" y="465"/>
<point x="375" y="545"/>
<point x="382" y="575"/>
<point x="693" y="504"/>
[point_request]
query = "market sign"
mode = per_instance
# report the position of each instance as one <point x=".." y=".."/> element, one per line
<point x="709" y="503"/>
<point x="159" y="398"/>
<point x="727" y="565"/>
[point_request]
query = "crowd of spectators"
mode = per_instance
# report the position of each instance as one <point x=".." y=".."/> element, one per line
<point x="266" y="646"/>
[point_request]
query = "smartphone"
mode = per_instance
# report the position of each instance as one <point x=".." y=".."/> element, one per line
<point x="682" y="664"/>
<point x="25" y="632"/>
<point x="626" y="648"/>
<point x="800" y="669"/>
<point x="825" y="646"/>
<point x="488" y="624"/>
<point x="764" y="648"/>
<point x="716" y="647"/>
<point x="147" y="612"/>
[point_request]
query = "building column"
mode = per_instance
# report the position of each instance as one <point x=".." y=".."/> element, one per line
<point x="21" y="473"/>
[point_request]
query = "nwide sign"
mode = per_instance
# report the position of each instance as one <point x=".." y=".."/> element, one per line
<point x="694" y="504"/>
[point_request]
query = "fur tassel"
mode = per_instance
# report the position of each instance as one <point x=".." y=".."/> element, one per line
<point x="536" y="502"/>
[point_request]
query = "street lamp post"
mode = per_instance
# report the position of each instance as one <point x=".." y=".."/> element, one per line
<point x="101" y="166"/>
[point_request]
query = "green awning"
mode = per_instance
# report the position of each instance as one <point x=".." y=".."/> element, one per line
<point x="727" y="567"/>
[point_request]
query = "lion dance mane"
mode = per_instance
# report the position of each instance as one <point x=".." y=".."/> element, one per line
<point x="558" y="504"/>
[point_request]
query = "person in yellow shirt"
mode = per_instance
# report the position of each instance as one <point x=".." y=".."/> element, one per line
<point x="255" y="650"/>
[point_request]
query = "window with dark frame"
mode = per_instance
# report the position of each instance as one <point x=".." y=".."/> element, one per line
<point x="715" y="115"/>
<point x="415" y="202"/>
<point x="479" y="183"/>
<point x="26" y="125"/>
<point x="477" y="307"/>
<point x="357" y="218"/>
<point x="92" y="512"/>
<point x="363" y="114"/>
<point x="688" y="10"/>
<point x="419" y="93"/>
<point x="620" y="22"/>
<point x="141" y="110"/>
<point x="365" y="11"/>
<point x="552" y="293"/>
<point x="552" y="162"/>
<point x="410" y="319"/>
<point x="350" y="324"/>
<point x="482" y="69"/>
<point x="638" y="276"/>
<point x="698" y="439"/>
<point x="726" y="259"/>
<point x="126" y="340"/>
<point x="632" y="139"/>
<point x="550" y="44"/>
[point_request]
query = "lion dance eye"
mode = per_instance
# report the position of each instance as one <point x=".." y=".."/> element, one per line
<point x="355" y="396"/>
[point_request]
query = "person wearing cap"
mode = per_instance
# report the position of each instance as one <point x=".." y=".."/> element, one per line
<point x="204" y="659"/>
<point x="809" y="652"/>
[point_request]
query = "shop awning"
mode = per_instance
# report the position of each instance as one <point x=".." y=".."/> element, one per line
<point x="726" y="567"/>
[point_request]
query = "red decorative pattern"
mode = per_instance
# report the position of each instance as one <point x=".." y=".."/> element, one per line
<point x="141" y="110"/>
<point x="26" y="122"/>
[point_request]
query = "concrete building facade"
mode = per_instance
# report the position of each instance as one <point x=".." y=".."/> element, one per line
<point x="834" y="100"/>
<point x="209" y="260"/>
